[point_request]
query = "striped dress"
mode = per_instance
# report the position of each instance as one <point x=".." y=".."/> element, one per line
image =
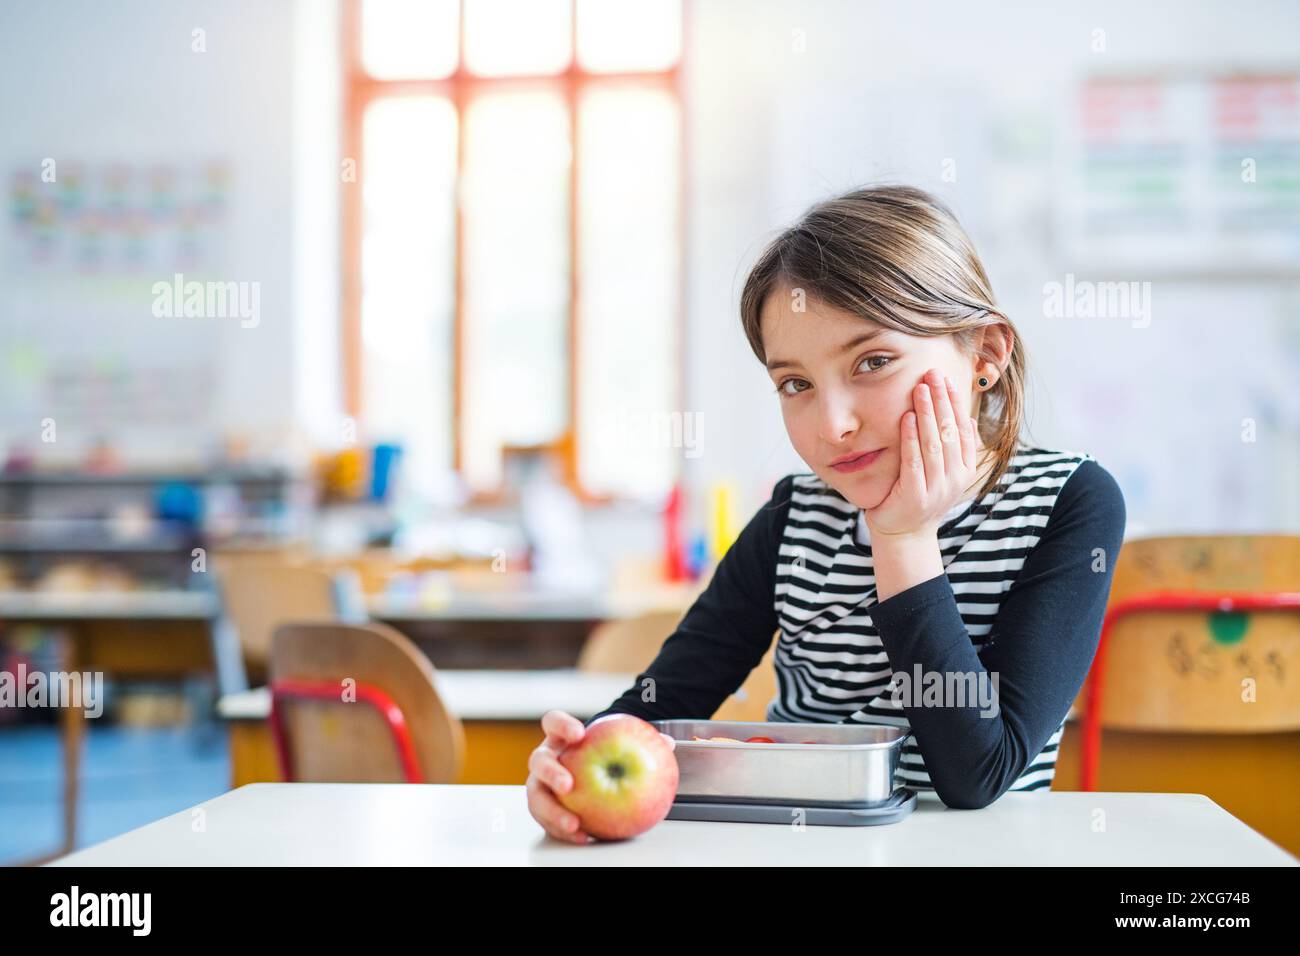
<point x="830" y="663"/>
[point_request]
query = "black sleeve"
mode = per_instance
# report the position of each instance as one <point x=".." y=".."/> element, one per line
<point x="1042" y="645"/>
<point x="725" y="633"/>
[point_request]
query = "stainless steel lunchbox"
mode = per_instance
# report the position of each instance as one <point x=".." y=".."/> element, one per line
<point x="846" y="765"/>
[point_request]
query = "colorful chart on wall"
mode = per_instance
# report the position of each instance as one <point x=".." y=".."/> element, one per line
<point x="1182" y="174"/>
<point x="83" y="244"/>
<point x="90" y="218"/>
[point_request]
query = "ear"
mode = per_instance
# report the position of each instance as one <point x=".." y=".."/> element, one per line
<point x="994" y="345"/>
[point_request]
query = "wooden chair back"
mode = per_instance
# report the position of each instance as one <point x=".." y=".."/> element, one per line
<point x="345" y="737"/>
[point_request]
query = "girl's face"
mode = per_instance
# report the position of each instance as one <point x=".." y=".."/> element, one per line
<point x="844" y="384"/>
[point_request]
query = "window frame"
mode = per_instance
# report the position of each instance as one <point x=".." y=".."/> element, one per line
<point x="459" y="88"/>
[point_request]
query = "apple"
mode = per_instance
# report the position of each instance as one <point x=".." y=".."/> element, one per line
<point x="624" y="777"/>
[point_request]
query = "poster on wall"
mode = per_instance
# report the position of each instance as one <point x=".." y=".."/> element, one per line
<point x="83" y="246"/>
<point x="115" y="218"/>
<point x="1182" y="175"/>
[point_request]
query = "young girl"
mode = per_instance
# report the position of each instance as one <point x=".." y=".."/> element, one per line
<point x="927" y="539"/>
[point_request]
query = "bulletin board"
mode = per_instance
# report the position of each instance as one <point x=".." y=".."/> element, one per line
<point x="83" y="243"/>
<point x="115" y="217"/>
<point x="1183" y="175"/>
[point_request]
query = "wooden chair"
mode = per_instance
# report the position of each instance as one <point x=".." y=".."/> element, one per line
<point x="628" y="646"/>
<point x="359" y="704"/>
<point x="259" y="595"/>
<point x="1194" y="686"/>
<point x="750" y="700"/>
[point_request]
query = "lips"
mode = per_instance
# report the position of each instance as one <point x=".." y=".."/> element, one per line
<point x="858" y="463"/>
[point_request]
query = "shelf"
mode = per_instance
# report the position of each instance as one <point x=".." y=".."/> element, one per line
<point x="251" y="476"/>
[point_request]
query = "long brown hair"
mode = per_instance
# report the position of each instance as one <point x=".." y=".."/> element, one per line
<point x="898" y="256"/>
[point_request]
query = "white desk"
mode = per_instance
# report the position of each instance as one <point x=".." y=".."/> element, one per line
<point x="530" y="604"/>
<point x="108" y="605"/>
<point x="505" y="606"/>
<point x="485" y="695"/>
<point x="411" y="824"/>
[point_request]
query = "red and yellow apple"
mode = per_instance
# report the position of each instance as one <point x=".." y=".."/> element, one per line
<point x="624" y="777"/>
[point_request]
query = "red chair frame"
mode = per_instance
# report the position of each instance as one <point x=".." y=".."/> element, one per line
<point x="283" y="690"/>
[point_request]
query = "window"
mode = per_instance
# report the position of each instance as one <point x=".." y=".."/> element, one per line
<point x="513" y="241"/>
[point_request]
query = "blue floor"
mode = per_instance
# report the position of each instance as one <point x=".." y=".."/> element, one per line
<point x="129" y="777"/>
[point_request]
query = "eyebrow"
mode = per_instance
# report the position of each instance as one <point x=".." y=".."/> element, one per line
<point x="851" y="344"/>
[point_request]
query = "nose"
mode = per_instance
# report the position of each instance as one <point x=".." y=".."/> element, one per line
<point x="836" y="418"/>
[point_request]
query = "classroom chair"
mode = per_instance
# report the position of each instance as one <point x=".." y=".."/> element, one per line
<point x="259" y="594"/>
<point x="359" y="704"/>
<point x="750" y="700"/>
<point x="629" y="645"/>
<point x="1195" y="686"/>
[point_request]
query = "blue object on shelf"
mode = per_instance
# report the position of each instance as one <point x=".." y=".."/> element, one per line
<point x="179" y="501"/>
<point x="381" y="472"/>
<point x="698" y="556"/>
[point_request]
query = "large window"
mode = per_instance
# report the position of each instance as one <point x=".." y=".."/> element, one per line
<point x="513" y="252"/>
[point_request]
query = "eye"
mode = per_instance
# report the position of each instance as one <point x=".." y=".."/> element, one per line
<point x="785" y="393"/>
<point x="885" y="360"/>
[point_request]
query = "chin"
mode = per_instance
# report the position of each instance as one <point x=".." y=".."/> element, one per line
<point x="862" y="493"/>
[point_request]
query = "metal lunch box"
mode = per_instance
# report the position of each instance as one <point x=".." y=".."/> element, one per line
<point x="845" y="766"/>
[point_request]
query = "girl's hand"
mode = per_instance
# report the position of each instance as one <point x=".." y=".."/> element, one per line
<point x="939" y="462"/>
<point x="547" y="777"/>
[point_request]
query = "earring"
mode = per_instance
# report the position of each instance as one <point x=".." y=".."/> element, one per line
<point x="983" y="382"/>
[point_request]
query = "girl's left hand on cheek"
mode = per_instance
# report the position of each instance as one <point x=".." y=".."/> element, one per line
<point x="939" y="463"/>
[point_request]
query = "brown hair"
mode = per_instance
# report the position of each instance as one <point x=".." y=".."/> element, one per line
<point x="896" y="255"/>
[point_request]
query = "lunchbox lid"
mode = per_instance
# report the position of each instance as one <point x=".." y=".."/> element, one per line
<point x="857" y="736"/>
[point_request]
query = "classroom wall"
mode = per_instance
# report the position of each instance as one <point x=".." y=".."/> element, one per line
<point x="886" y="91"/>
<point x="880" y="91"/>
<point x="95" y="83"/>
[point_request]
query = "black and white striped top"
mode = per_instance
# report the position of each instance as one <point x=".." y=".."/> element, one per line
<point x="1027" y="572"/>
<point x="830" y="663"/>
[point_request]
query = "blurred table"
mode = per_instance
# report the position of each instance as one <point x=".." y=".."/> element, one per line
<point x="58" y="606"/>
<point x="528" y="603"/>
<point x="514" y="629"/>
<point x="168" y="634"/>
<point x="123" y="634"/>
<point x="500" y="711"/>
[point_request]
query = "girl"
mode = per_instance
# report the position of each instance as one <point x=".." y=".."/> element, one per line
<point x="927" y="539"/>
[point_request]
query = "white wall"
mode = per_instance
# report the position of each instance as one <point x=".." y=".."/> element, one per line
<point x="92" y="82"/>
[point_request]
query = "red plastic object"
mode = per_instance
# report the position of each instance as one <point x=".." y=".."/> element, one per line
<point x="674" y="563"/>
<point x="1213" y="601"/>
<point x="329" y="691"/>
